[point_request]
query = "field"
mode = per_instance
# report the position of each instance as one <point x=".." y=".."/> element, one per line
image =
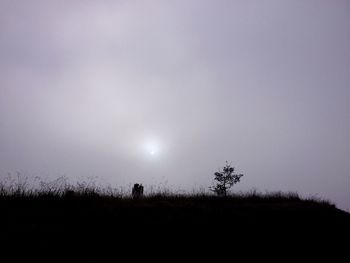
<point x="91" y="219"/>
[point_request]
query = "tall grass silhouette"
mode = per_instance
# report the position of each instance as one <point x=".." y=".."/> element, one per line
<point x="89" y="217"/>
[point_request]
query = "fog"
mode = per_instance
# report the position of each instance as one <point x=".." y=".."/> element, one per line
<point x="167" y="91"/>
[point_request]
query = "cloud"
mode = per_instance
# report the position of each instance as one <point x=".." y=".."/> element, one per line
<point x="84" y="85"/>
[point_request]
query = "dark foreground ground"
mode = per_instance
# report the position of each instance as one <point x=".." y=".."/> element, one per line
<point x="96" y="226"/>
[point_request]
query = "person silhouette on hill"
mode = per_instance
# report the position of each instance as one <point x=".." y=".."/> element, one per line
<point x="137" y="191"/>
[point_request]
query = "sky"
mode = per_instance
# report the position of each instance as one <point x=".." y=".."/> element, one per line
<point x="164" y="92"/>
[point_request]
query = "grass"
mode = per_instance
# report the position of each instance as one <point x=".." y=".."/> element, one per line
<point x="156" y="208"/>
<point x="60" y="190"/>
<point x="85" y="215"/>
<point x="17" y="191"/>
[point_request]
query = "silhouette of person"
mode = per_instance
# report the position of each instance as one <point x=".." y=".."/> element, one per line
<point x="137" y="191"/>
<point x="141" y="190"/>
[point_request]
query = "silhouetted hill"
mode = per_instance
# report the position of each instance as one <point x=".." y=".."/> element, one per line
<point x="90" y="221"/>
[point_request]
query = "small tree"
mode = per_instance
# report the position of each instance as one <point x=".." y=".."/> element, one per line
<point x="225" y="179"/>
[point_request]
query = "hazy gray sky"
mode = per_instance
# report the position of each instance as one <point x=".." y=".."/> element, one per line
<point x="155" y="91"/>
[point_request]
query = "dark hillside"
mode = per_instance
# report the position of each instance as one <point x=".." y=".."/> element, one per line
<point x="91" y="221"/>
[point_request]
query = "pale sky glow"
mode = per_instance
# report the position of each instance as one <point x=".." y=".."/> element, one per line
<point x="145" y="91"/>
<point x="152" y="148"/>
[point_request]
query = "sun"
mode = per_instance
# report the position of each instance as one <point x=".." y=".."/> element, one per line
<point x="152" y="148"/>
